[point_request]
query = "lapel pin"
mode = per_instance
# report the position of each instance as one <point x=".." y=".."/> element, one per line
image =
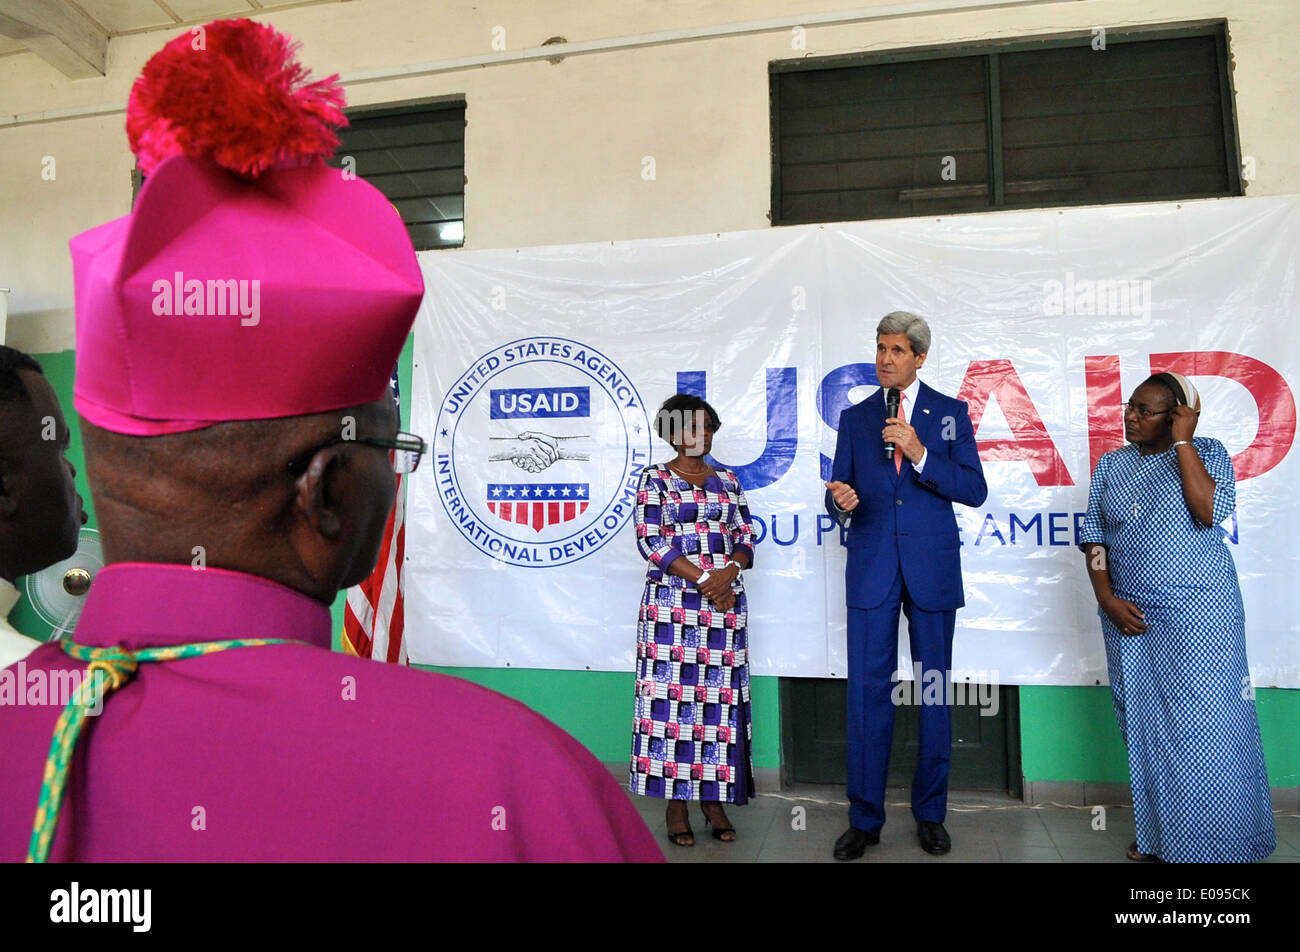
<point x="925" y="409"/>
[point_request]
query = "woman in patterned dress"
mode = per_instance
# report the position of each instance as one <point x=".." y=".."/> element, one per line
<point x="1172" y="617"/>
<point x="691" y="733"/>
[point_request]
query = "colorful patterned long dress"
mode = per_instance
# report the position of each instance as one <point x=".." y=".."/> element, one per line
<point x="691" y="734"/>
<point x="1182" y="689"/>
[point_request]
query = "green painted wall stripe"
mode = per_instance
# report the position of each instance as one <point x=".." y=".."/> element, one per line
<point x="1070" y="733"/>
<point x="1067" y="733"/>
<point x="596" y="707"/>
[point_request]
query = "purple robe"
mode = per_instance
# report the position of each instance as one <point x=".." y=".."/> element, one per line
<point x="294" y="752"/>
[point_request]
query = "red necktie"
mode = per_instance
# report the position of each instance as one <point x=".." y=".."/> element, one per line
<point x="898" y="450"/>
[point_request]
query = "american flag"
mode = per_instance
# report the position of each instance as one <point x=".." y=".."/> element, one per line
<point x="373" y="618"/>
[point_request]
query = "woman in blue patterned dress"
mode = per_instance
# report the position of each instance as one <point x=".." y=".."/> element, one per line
<point x="1172" y="617"/>
<point x="691" y="733"/>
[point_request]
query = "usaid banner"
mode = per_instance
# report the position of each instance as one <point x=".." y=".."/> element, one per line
<point x="537" y="374"/>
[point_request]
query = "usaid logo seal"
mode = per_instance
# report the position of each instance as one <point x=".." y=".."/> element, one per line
<point x="539" y="446"/>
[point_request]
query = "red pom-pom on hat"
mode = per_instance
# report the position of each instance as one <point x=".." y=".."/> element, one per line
<point x="233" y="92"/>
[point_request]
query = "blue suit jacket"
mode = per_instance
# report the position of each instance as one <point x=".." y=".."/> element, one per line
<point x="905" y="520"/>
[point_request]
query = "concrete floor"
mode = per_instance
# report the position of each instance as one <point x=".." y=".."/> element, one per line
<point x="984" y="829"/>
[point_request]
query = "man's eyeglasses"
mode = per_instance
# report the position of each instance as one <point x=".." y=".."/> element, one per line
<point x="1143" y="412"/>
<point x="407" y="450"/>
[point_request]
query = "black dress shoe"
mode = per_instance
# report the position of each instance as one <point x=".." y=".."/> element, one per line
<point x="934" y="838"/>
<point x="854" y="842"/>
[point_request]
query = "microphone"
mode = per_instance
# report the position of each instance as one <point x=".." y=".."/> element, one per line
<point x="892" y="397"/>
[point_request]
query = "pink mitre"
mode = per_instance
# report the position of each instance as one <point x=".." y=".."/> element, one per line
<point x="250" y="281"/>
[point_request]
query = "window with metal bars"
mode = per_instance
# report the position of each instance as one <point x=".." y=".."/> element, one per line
<point x="1091" y="119"/>
<point x="415" y="155"/>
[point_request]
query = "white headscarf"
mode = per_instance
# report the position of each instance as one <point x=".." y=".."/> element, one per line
<point x="1190" y="395"/>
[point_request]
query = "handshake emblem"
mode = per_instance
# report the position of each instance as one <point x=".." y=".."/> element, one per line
<point x="533" y="452"/>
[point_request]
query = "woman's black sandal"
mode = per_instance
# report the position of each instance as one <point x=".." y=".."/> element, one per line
<point x="680" y="838"/>
<point x="720" y="832"/>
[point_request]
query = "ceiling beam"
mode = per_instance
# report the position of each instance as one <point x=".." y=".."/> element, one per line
<point x="59" y="33"/>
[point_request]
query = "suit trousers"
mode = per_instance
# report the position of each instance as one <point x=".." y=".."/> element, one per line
<point x="873" y="660"/>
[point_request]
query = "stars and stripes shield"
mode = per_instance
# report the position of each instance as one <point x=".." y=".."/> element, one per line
<point x="538" y="505"/>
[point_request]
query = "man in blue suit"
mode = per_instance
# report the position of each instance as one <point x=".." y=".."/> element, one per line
<point x="902" y="554"/>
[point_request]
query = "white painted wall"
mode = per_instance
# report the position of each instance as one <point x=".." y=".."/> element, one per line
<point x="554" y="152"/>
